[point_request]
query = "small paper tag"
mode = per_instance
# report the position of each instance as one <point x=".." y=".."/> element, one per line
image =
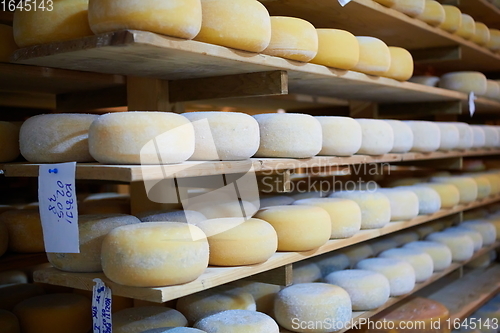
<point x="472" y="103"/>
<point x="58" y="207"/>
<point x="101" y="308"/>
<point x="344" y="2"/>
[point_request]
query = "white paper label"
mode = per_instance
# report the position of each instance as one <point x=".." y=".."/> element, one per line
<point x="101" y="308"/>
<point x="58" y="207"/>
<point x="344" y="2"/>
<point x="472" y="103"/>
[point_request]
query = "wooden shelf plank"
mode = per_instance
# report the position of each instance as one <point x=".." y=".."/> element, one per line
<point x="13" y="261"/>
<point x="480" y="10"/>
<point x="215" y="276"/>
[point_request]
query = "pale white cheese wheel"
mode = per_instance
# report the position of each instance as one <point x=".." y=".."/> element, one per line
<point x="358" y="252"/>
<point x="368" y="290"/>
<point x="486" y="229"/>
<point x="401" y="64"/>
<point x="238" y="321"/>
<point x="337" y="49"/>
<point x="429" y="200"/>
<point x="426" y="136"/>
<point x="433" y="13"/>
<point x="275" y="200"/>
<point x="375" y="207"/>
<point x="492" y="138"/>
<point x="494" y="42"/>
<point x="9" y="141"/>
<point x="332" y="262"/>
<point x="377" y="137"/>
<point x="381" y="244"/>
<point x="403" y="136"/>
<point x="56" y="138"/>
<point x="465" y="136"/>
<point x="292" y="38"/>
<point x="289" y="135"/>
<point x="240" y="24"/>
<point x="478" y="136"/>
<point x="464" y="82"/>
<point x="7" y="43"/>
<point x="133" y="320"/>
<point x="313" y="302"/>
<point x="399" y="273"/>
<point x="421" y="261"/>
<point x="453" y="19"/>
<point x="468" y="28"/>
<point x="263" y="294"/>
<point x="374" y="56"/>
<point x="227" y="136"/>
<point x="476" y="237"/>
<point x="345" y="215"/>
<point x="482" y="34"/>
<point x="492" y="89"/>
<point x="411" y="8"/>
<point x="404" y="203"/>
<point x="186" y="216"/>
<point x="450" y="136"/>
<point x="466" y="186"/>
<point x="431" y="81"/>
<point x="440" y="253"/>
<point x="341" y="136"/>
<point x="24" y="228"/>
<point x="306" y="272"/>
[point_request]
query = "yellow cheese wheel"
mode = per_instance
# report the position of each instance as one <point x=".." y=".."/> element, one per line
<point x="9" y="322"/>
<point x="238" y="321"/>
<point x="483" y="191"/>
<point x="433" y="13"/>
<point x="494" y="42"/>
<point x="453" y="19"/>
<point x="466" y="186"/>
<point x="374" y="56"/>
<point x="465" y="82"/>
<point x="7" y="43"/>
<point x="177" y="18"/>
<point x="411" y="8"/>
<point x="336" y="48"/>
<point x="67" y="20"/>
<point x="9" y="139"/>
<point x="25" y="230"/>
<point x="482" y="34"/>
<point x="240" y="24"/>
<point x="55" y="313"/>
<point x="387" y="3"/>
<point x="292" y="38"/>
<point x="468" y="28"/>
<point x="449" y="193"/>
<point x="401" y="64"/>
<point x="136" y="320"/>
<point x="263" y="294"/>
<point x="492" y="89"/>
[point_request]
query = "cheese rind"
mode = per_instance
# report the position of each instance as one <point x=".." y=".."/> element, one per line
<point x="139" y="319"/>
<point x="306" y="272"/>
<point x="411" y="8"/>
<point x="426" y="136"/>
<point x="453" y="19"/>
<point x="263" y="294"/>
<point x="465" y="82"/>
<point x="401" y="64"/>
<point x="429" y="200"/>
<point x="377" y="137"/>
<point x="399" y="273"/>
<point x="7" y="43"/>
<point x="440" y="253"/>
<point x="332" y="262"/>
<point x="25" y="230"/>
<point x="421" y="262"/>
<point x="374" y="56"/>
<point x="404" y="203"/>
<point x="238" y="321"/>
<point x="486" y="229"/>
<point x="466" y="186"/>
<point x="337" y="49"/>
<point x="482" y="34"/>
<point x="341" y="136"/>
<point x="460" y="245"/>
<point x="479" y="137"/>
<point x="494" y="42"/>
<point x="465" y="135"/>
<point x="492" y="89"/>
<point x="492" y="137"/>
<point x="468" y="28"/>
<point x="450" y="136"/>
<point x="403" y="136"/>
<point x="357" y="252"/>
<point x="433" y="13"/>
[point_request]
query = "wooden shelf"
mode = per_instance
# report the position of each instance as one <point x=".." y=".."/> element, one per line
<point x="215" y="276"/>
<point x="481" y="10"/>
<point x="13" y="261"/>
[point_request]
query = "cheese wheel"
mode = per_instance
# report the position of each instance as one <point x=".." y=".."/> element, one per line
<point x="341" y="136"/>
<point x="9" y="322"/>
<point x="425" y="230"/>
<point x="235" y="242"/>
<point x="440" y="253"/>
<point x="483" y="187"/>
<point x="275" y="200"/>
<point x="224" y="135"/>
<point x="11" y="295"/>
<point x="431" y="81"/>
<point x="404" y="203"/>
<point x="292" y="38"/>
<point x="174" y="330"/>
<point x="54" y="138"/>
<point x="492" y="89"/>
<point x="374" y="56"/>
<point x="466" y="186"/>
<point x="67" y="20"/>
<point x="306" y="272"/>
<point x="387" y="3"/>
<point x="25" y="230"/>
<point x="154" y="254"/>
<point x="468" y="28"/>
<point x="9" y="140"/>
<point x="479" y="137"/>
<point x="293" y="233"/>
<point x="312" y="303"/>
<point x="176" y="18"/>
<point x="332" y="262"/>
<point x="421" y="262"/>
<point x="55" y="313"/>
<point x="122" y="138"/>
<point x="476" y="237"/>
<point x="7" y="43"/>
<point x="240" y="24"/>
<point x="377" y="137"/>
<point x="375" y="207"/>
<point x="404" y="237"/>
<point x="403" y="136"/>
<point x="411" y="8"/>
<point x="465" y="82"/>
<point x="381" y="244"/>
<point x="186" y="216"/>
<point x="401" y="64"/>
<point x="344" y="214"/>
<point x="450" y="196"/>
<point x="399" y="273"/>
<point x="91" y="229"/>
<point x="210" y="301"/>
<point x="465" y="136"/>
<point x="263" y="294"/>
<point x="486" y="229"/>
<point x="433" y="13"/>
<point x="426" y="136"/>
<point x="496" y="223"/>
<point x="238" y="321"/>
<point x="136" y="320"/>
<point x="494" y="42"/>
<point x="492" y="138"/>
<point x="12" y="277"/>
<point x="368" y="290"/>
<point x="429" y="200"/>
<point x="450" y="136"/>
<point x="288" y="135"/>
<point x="337" y="49"/>
<point x="358" y="252"/>
<point x="482" y="34"/>
<point x="494" y="182"/>
<point x="453" y="19"/>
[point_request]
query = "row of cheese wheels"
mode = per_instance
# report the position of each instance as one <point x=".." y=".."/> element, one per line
<point x="165" y="138"/>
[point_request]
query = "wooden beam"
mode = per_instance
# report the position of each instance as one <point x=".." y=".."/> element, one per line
<point x="453" y="163"/>
<point x="90" y="100"/>
<point x="281" y="276"/>
<point x="359" y="109"/>
<point x="278" y="182"/>
<point x="438" y="54"/>
<point x="147" y="94"/>
<point x="27" y="100"/>
<point x="412" y="110"/>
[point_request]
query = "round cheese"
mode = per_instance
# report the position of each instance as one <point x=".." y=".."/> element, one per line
<point x="494" y="182"/>
<point x="344" y="214"/>
<point x="374" y="57"/>
<point x="224" y="135"/>
<point x="433" y="13"/>
<point x="450" y="196"/>
<point x="465" y="136"/>
<point x="492" y="89"/>
<point x="210" y="301"/>
<point x="476" y="237"/>
<point x="465" y="82"/>
<point x="440" y="253"/>
<point x="25" y="230"/>
<point x="67" y="20"/>
<point x="411" y="8"/>
<point x="263" y="294"/>
<point x="292" y="38"/>
<point x="332" y="262"/>
<point x="306" y="272"/>
<point x="426" y="136"/>
<point x="403" y="136"/>
<point x="429" y="200"/>
<point x="482" y="34"/>
<point x="154" y="254"/>
<point x="358" y="252"/>
<point x="404" y="203"/>
<point x="238" y="321"/>
<point x="337" y="49"/>
<point x="494" y="42"/>
<point x="54" y="138"/>
<point x="399" y="273"/>
<point x="401" y="64"/>
<point x="466" y="186"/>
<point x="387" y="3"/>
<point x="381" y="244"/>
<point x="293" y="233"/>
<point x="377" y="137"/>
<point x="141" y="138"/>
<point x="421" y="262"/>
<point x="186" y="216"/>
<point x="431" y="81"/>
<point x="9" y="322"/>
<point x="492" y="138"/>
<point x="288" y="135"/>
<point x="468" y="28"/>
<point x="450" y="136"/>
<point x="11" y="295"/>
<point x="483" y="187"/>
<point x="55" y="313"/>
<point x="486" y="229"/>
<point x="7" y="43"/>
<point x="341" y="136"/>
<point x="312" y="303"/>
<point x="453" y="19"/>
<point x="240" y="24"/>
<point x="135" y="320"/>
<point x="479" y="138"/>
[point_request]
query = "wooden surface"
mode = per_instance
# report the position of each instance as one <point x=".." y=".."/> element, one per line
<point x="13" y="261"/>
<point x="215" y="276"/>
<point x="480" y="10"/>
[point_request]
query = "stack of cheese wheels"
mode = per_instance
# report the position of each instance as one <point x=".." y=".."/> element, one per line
<point x="263" y="294"/>
<point x="429" y="200"/>
<point x="177" y="18"/>
<point x="478" y="137"/>
<point x="453" y="19"/>
<point x="224" y="135"/>
<point x="53" y="138"/>
<point x="476" y="237"/>
<point x="466" y="186"/>
<point x="344" y="214"/>
<point x="377" y="137"/>
<point x="9" y="141"/>
<point x="121" y="138"/>
<point x="431" y="81"/>
<point x="450" y="136"/>
<point x="292" y="38"/>
<point x="486" y="229"/>
<point x="67" y="20"/>
<point x="24" y="230"/>
<point x="404" y="203"/>
<point x="426" y="136"/>
<point x="306" y="272"/>
<point x="399" y="273"/>
<point x="358" y="252"/>
<point x="440" y="253"/>
<point x="494" y="42"/>
<point x="401" y="64"/>
<point x="411" y="8"/>
<point x="236" y="321"/>
<point x="341" y="136"/>
<point x="449" y="194"/>
<point x="433" y="13"/>
<point x="187" y="216"/>
<point x="465" y="136"/>
<point x="403" y="136"/>
<point x="464" y="82"/>
<point x="332" y="262"/>
<point x="337" y="49"/>
<point x="289" y="135"/>
<point x="374" y="57"/>
<point x="139" y="319"/>
<point x="468" y="28"/>
<point x="492" y="89"/>
<point x="381" y="244"/>
<point x="240" y="24"/>
<point x="421" y="262"/>
<point x="7" y="43"/>
<point x="482" y="34"/>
